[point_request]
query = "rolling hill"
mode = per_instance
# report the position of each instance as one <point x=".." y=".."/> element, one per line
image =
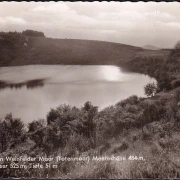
<point x="18" y="49"/>
<point x="150" y="47"/>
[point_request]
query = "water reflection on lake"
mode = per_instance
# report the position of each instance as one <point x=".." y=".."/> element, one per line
<point x="29" y="92"/>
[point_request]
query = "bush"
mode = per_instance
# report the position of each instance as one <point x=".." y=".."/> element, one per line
<point x="176" y="83"/>
<point x="35" y="125"/>
<point x="10" y="130"/>
<point x="132" y="100"/>
<point x="150" y="89"/>
<point x="77" y="144"/>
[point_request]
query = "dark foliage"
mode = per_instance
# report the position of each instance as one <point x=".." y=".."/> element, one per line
<point x="33" y="33"/>
<point x="11" y="129"/>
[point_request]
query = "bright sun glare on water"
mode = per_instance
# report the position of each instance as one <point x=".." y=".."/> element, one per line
<point x="111" y="73"/>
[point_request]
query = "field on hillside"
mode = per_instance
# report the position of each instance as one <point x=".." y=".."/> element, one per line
<point x="17" y="49"/>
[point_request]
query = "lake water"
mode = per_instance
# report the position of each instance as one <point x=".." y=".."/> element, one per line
<point x="29" y="92"/>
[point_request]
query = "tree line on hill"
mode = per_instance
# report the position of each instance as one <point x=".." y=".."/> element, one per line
<point x="32" y="33"/>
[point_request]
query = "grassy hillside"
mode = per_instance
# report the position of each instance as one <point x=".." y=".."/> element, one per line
<point x="18" y="49"/>
<point x="146" y="134"/>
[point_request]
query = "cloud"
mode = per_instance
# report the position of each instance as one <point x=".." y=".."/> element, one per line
<point x="131" y="23"/>
<point x="12" y="20"/>
<point x="173" y="24"/>
<point x="61" y="15"/>
<point x="169" y="26"/>
<point x="60" y="7"/>
<point x="159" y="15"/>
<point x="121" y="16"/>
<point x="15" y="20"/>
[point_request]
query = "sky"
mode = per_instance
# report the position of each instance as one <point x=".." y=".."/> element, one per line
<point x="138" y="23"/>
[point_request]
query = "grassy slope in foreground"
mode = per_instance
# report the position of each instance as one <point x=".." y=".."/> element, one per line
<point x="17" y="49"/>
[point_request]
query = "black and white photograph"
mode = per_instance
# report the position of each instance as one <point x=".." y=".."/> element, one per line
<point x="89" y="90"/>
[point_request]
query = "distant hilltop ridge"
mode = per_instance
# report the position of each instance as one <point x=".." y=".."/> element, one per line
<point x="150" y="47"/>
